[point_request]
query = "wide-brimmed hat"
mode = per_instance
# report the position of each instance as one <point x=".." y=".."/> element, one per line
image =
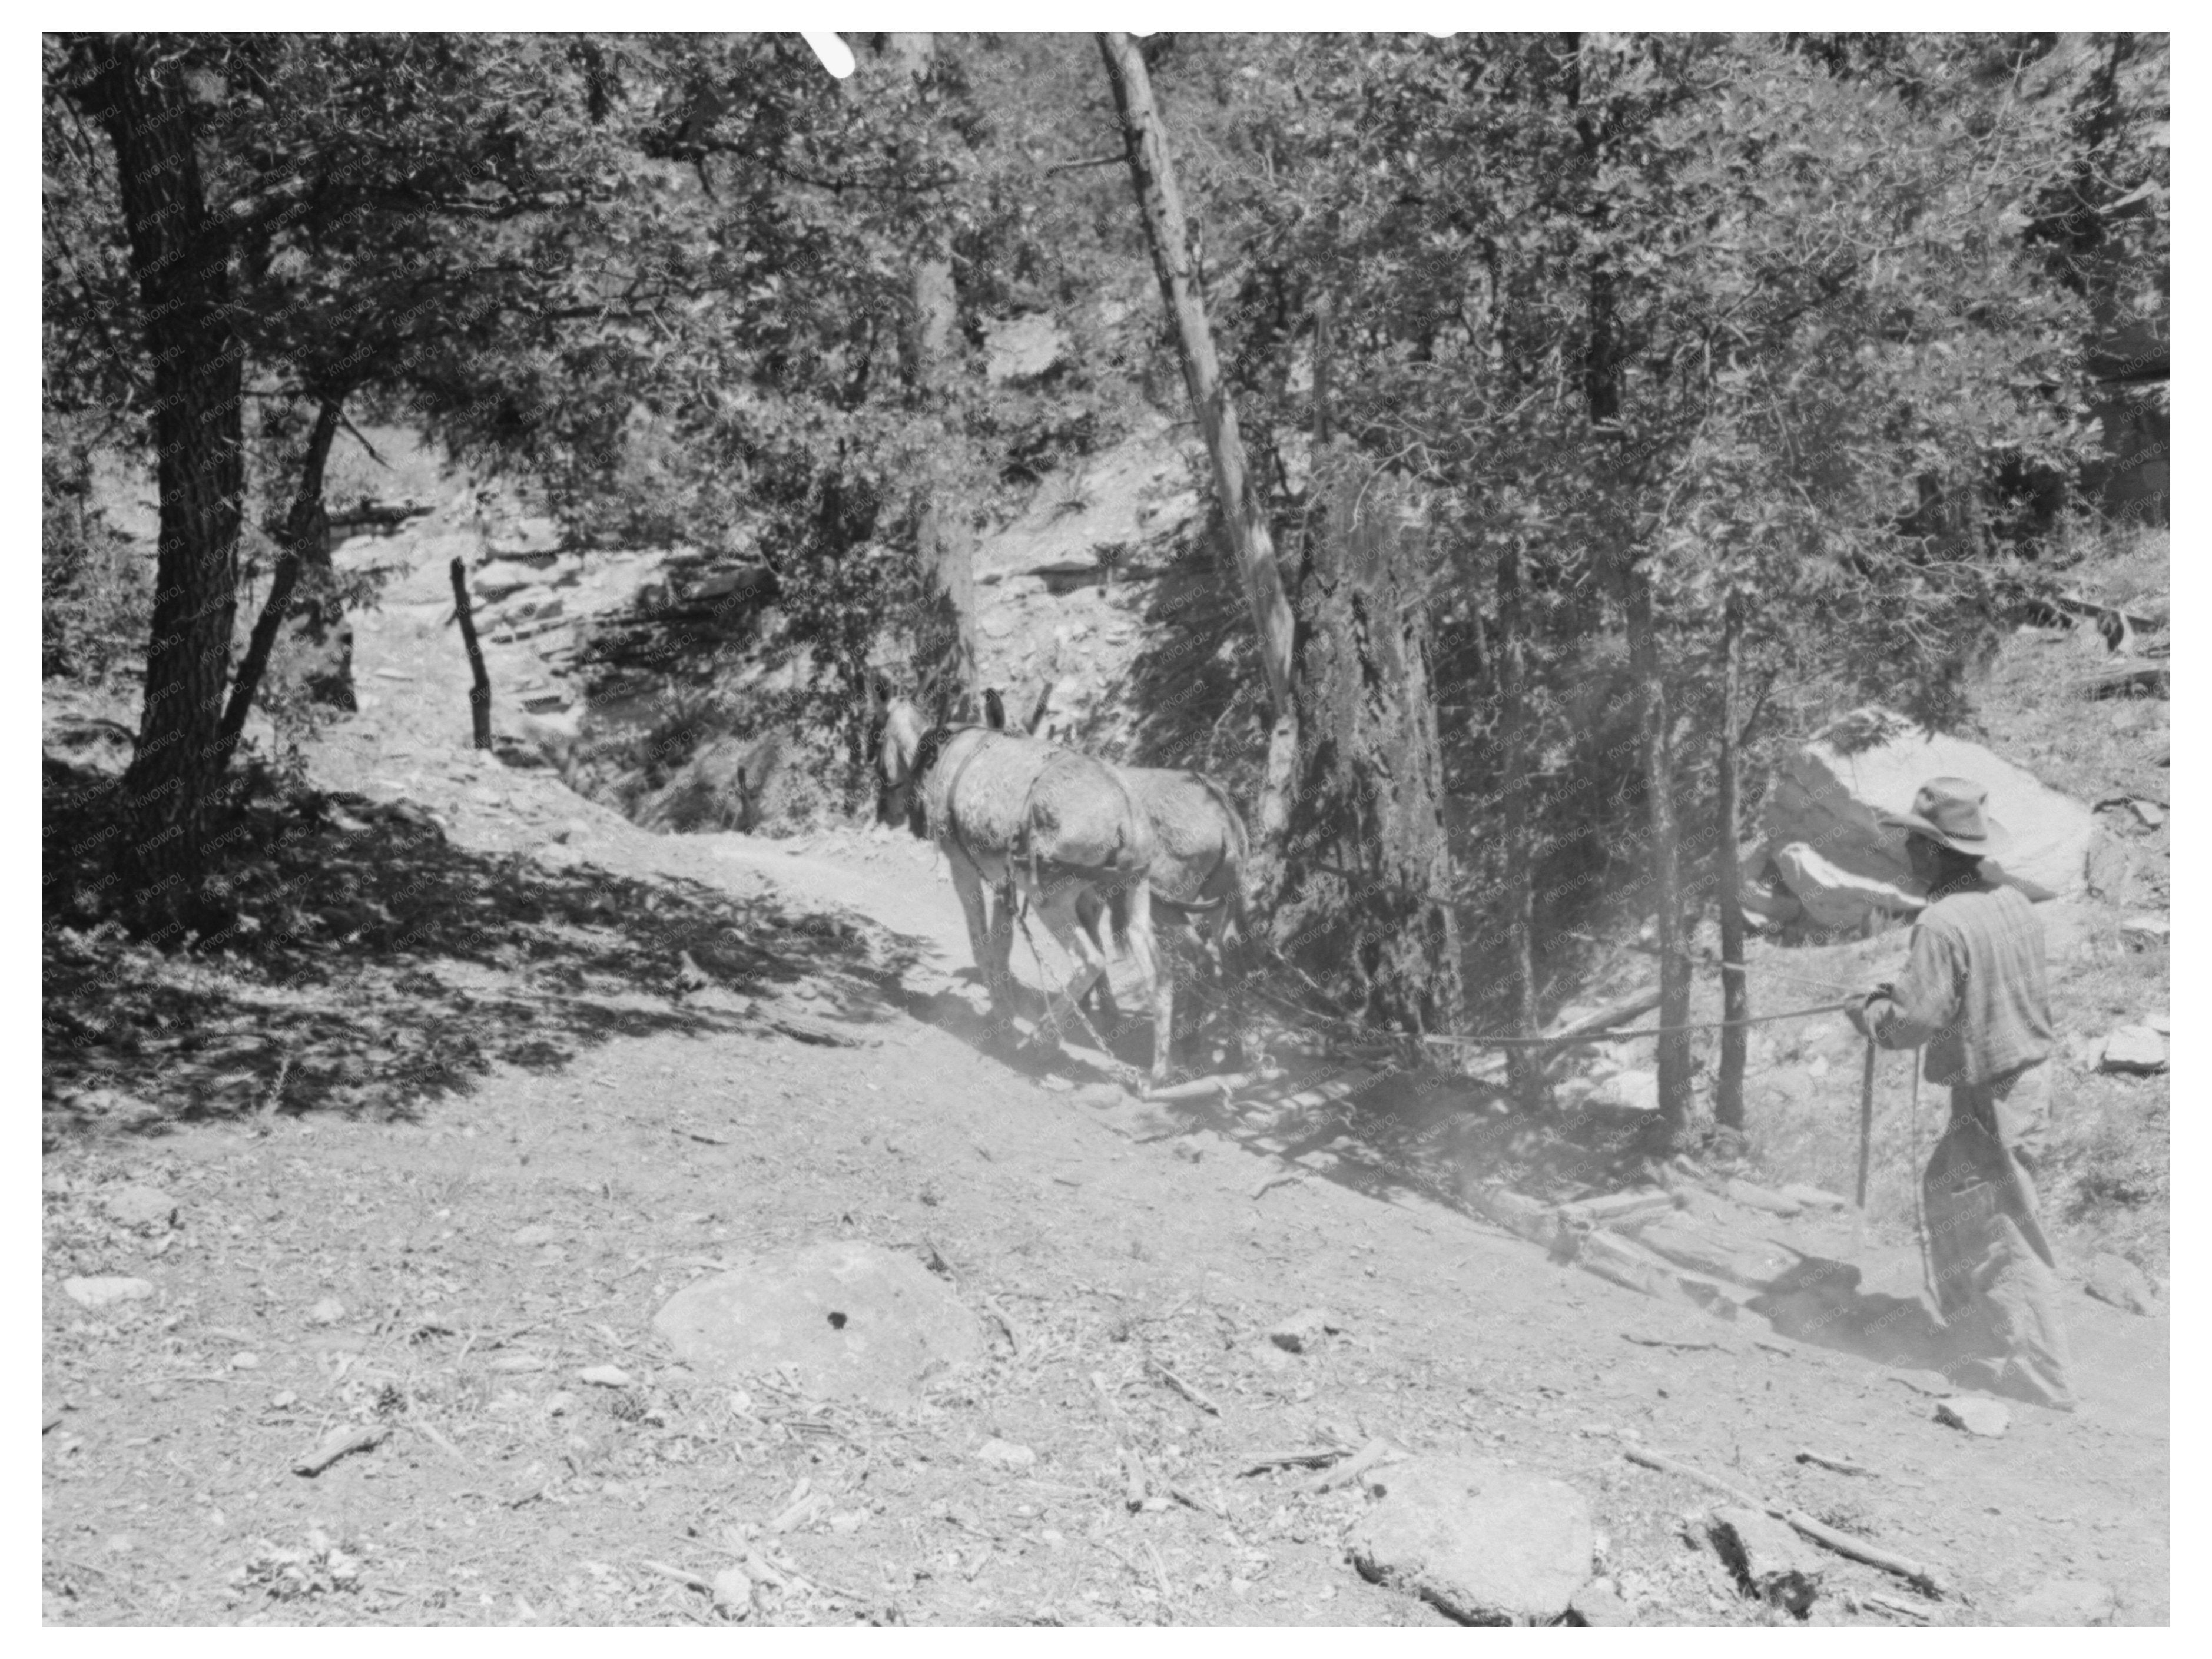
<point x="1949" y="810"/>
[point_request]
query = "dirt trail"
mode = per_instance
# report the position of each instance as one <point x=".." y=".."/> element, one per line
<point x="484" y="1255"/>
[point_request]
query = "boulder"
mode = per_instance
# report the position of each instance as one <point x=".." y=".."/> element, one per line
<point x="1485" y="1544"/>
<point x="1829" y="895"/>
<point x="136" y="1205"/>
<point x="2116" y="1280"/>
<point x="2133" y="1048"/>
<point x="1825" y="796"/>
<point x="1973" y="1413"/>
<point x="852" y="1321"/>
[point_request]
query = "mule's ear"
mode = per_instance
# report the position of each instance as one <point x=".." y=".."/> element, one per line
<point x="883" y="691"/>
<point x="995" y="708"/>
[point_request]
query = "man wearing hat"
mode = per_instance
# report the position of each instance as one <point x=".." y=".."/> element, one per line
<point x="1973" y="993"/>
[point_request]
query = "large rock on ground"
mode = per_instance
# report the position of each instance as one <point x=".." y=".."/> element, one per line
<point x="1485" y="1544"/>
<point x="852" y="1321"/>
<point x="1824" y="799"/>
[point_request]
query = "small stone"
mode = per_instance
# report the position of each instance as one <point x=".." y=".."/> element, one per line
<point x="135" y="1205"/>
<point x="2149" y="812"/>
<point x="559" y="1402"/>
<point x="1006" y="1454"/>
<point x="521" y="1362"/>
<point x="283" y="1401"/>
<point x="2118" y="1281"/>
<point x="245" y="1362"/>
<point x="121" y="1543"/>
<point x="604" y="1376"/>
<point x="2144" y="931"/>
<point x="2134" y="1048"/>
<point x="105" y="1291"/>
<point x="733" y="1590"/>
<point x="1302" y="1332"/>
<point x="1101" y="1096"/>
<point x="1598" y="1606"/>
<point x="2070" y="1603"/>
<point x="1974" y="1414"/>
<point x="536" y="1233"/>
<point x="328" y="1312"/>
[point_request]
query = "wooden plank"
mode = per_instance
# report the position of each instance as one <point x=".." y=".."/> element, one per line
<point x="1523" y="1217"/>
<point x="1614" y="1207"/>
<point x="1719" y="1252"/>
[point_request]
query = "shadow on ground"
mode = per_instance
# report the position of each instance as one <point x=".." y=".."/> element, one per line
<point x="370" y="966"/>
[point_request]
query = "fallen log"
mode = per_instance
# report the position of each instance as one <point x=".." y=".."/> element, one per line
<point x="1614" y="1207"/>
<point x="1590" y="1026"/>
<point x="1857" y="1549"/>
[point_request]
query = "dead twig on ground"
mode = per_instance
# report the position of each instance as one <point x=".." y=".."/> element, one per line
<point x="1188" y="1391"/>
<point x="1840" y="1465"/>
<point x="1318" y="1457"/>
<point x="361" y="1436"/>
<point x="1374" y="1452"/>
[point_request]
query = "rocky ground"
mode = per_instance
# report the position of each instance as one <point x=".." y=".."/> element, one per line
<point x="1273" y="1359"/>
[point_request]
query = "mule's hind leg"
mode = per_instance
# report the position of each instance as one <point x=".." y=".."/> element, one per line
<point x="1058" y="912"/>
<point x="1091" y="911"/>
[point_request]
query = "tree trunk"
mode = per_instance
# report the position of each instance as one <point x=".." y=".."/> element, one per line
<point x="1367" y="900"/>
<point x="480" y="681"/>
<point x="1524" y="1069"/>
<point x="1736" y="991"/>
<point x="1657" y="742"/>
<point x="182" y="263"/>
<point x="306" y="523"/>
<point x="1242" y="512"/>
<point x="944" y="634"/>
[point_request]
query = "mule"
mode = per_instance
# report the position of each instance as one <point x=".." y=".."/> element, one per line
<point x="1033" y="822"/>
<point x="1201" y="849"/>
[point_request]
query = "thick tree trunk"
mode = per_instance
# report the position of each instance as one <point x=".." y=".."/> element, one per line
<point x="1524" y="1068"/>
<point x="944" y="641"/>
<point x="1243" y="511"/>
<point x="182" y="264"/>
<point x="1367" y="897"/>
<point x="1735" y="992"/>
<point x="307" y="523"/>
<point x="1654" y="736"/>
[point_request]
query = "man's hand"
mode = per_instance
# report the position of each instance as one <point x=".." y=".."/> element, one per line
<point x="1860" y="1010"/>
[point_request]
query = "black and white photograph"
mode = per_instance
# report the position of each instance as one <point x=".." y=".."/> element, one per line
<point x="1112" y="830"/>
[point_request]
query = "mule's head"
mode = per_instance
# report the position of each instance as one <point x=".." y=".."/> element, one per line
<point x="899" y="761"/>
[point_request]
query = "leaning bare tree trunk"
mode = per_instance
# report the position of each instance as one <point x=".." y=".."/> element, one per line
<point x="480" y="681"/>
<point x="1655" y="740"/>
<point x="307" y="521"/>
<point x="1368" y="899"/>
<point x="1524" y="1069"/>
<point x="1242" y="509"/>
<point x="135" y="92"/>
<point x="944" y="641"/>
<point x="1736" y="993"/>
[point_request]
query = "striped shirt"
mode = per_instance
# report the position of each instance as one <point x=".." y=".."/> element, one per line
<point x="1973" y="990"/>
